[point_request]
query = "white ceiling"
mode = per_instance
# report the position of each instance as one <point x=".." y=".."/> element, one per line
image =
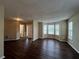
<point x="42" y="10"/>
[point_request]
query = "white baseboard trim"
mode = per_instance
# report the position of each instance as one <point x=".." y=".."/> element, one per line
<point x="2" y="57"/>
<point x="11" y="39"/>
<point x="73" y="47"/>
<point x="34" y="40"/>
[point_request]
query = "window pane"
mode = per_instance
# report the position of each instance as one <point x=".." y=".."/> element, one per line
<point x="57" y="29"/>
<point x="45" y="29"/>
<point x="50" y="29"/>
<point x="70" y="28"/>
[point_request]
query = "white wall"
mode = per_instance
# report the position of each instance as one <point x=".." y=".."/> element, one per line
<point x="40" y="30"/>
<point x="11" y="29"/>
<point x="75" y="38"/>
<point x="35" y="30"/>
<point x="1" y="31"/>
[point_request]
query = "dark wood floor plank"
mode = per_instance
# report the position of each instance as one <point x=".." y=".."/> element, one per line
<point x="39" y="49"/>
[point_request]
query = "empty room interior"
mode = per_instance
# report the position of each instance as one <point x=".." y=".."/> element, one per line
<point x="39" y="29"/>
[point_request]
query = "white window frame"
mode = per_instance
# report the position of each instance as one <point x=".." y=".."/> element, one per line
<point x="47" y="28"/>
<point x="70" y="30"/>
<point x="52" y="33"/>
<point x="57" y="29"/>
<point x="45" y="32"/>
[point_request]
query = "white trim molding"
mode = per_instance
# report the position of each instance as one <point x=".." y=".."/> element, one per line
<point x="2" y="57"/>
<point x="73" y="47"/>
<point x="34" y="40"/>
<point x="10" y="39"/>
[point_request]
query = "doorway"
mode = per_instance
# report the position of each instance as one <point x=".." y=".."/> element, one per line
<point x="29" y="32"/>
<point x="22" y="30"/>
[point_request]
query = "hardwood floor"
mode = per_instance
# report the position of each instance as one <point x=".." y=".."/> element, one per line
<point x="39" y="49"/>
